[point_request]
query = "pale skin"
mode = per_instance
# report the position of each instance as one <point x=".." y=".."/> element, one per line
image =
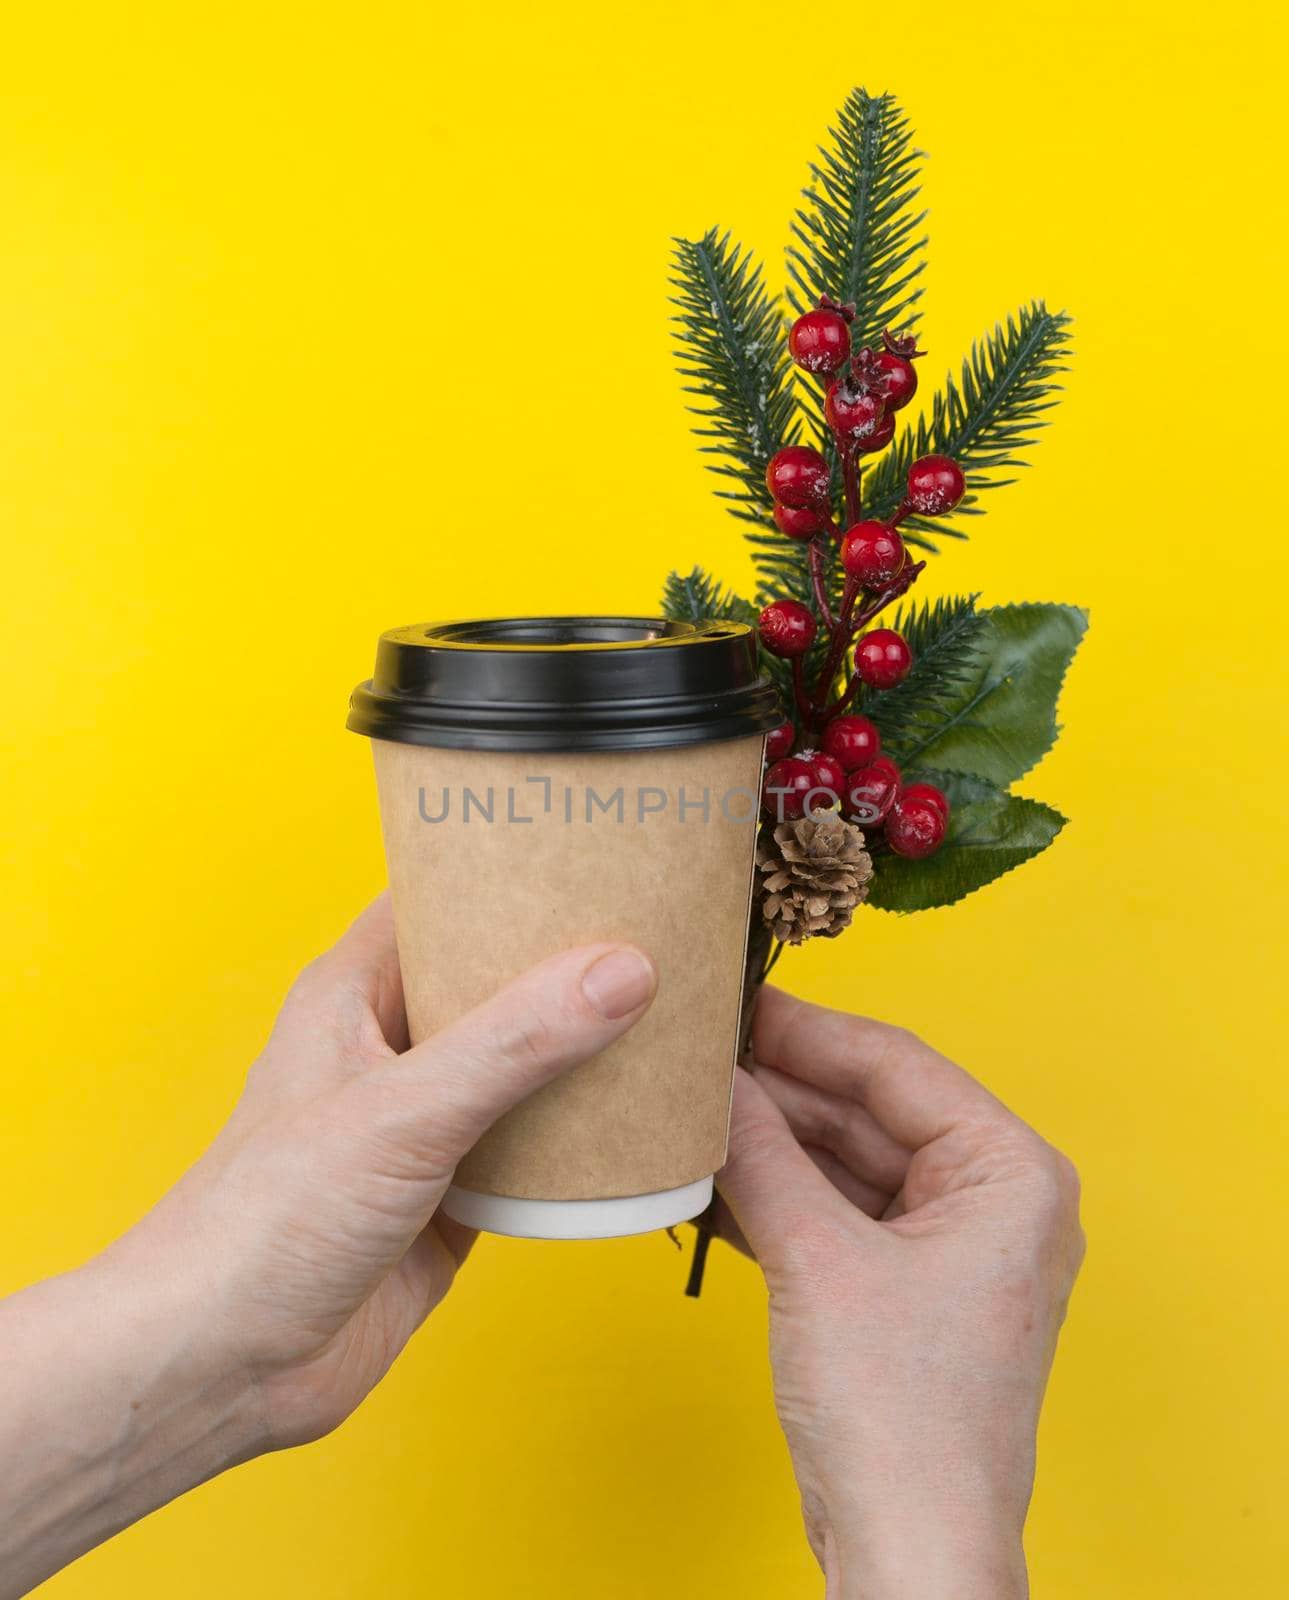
<point x="918" y="1241"/>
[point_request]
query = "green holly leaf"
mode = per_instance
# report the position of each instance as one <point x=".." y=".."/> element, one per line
<point x="999" y="717"/>
<point x="990" y="833"/>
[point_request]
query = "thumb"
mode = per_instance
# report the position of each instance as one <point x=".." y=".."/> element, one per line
<point x="445" y="1092"/>
<point x="777" y="1195"/>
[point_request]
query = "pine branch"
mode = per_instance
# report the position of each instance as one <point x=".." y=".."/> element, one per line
<point x="934" y="625"/>
<point x="945" y="637"/>
<point x="731" y="344"/>
<point x="783" y="567"/>
<point x="857" y="238"/>
<point x="699" y="596"/>
<point x="983" y="422"/>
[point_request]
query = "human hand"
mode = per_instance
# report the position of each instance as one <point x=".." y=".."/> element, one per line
<point x="919" y="1243"/>
<point x="257" y="1304"/>
<point x="307" y="1236"/>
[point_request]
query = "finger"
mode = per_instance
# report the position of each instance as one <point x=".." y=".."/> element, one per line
<point x="871" y="1201"/>
<point x="417" y="1283"/>
<point x="839" y="1125"/>
<point x="357" y="978"/>
<point x="371" y="949"/>
<point x="777" y="1196"/>
<point x="912" y="1091"/>
<point x="439" y="1097"/>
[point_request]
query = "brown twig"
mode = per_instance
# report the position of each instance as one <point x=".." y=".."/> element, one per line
<point x="893" y="590"/>
<point x="804" y="703"/>
<point x="840" y="638"/>
<point x="850" y="479"/>
<point x="898" y="586"/>
<point x="843" y="699"/>
<point x="817" y="579"/>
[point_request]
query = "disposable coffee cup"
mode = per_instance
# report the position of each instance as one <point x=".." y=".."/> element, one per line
<point x="547" y="782"/>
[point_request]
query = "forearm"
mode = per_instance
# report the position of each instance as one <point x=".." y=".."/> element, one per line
<point x="961" y="1542"/>
<point x="933" y="1564"/>
<point x="113" y="1400"/>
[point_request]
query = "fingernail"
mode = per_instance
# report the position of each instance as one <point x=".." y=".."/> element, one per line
<point x="618" y="983"/>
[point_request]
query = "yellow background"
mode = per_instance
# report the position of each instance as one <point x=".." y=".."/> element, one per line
<point x="313" y="321"/>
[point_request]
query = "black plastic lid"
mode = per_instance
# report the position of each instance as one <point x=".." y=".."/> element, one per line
<point x="565" y="683"/>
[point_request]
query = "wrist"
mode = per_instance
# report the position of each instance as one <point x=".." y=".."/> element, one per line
<point x="929" y="1574"/>
<point x="195" y="1394"/>
<point x="936" y="1554"/>
<point x="114" y="1401"/>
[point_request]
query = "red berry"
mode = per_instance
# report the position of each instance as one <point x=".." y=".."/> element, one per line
<point x="820" y="341"/>
<point x="915" y="828"/>
<point x="779" y="741"/>
<point x="787" y="628"/>
<point x="880" y="437"/>
<point x="798" y="476"/>
<point x="871" y="792"/>
<point x="935" y="485"/>
<point x="895" y="364"/>
<point x="786" y="786"/>
<point x="873" y="553"/>
<point x="827" y="772"/>
<point x="851" y="411"/>
<point x="800" y="522"/>
<point x="853" y="741"/>
<point x="882" y="658"/>
<point x="931" y="795"/>
<point x="900" y="380"/>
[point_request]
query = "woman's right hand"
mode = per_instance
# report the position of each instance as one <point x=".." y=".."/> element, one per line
<point x="919" y="1243"/>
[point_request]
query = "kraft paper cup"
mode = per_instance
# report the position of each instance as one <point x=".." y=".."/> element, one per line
<point x="549" y="782"/>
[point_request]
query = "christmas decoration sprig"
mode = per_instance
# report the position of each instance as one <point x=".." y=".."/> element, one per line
<point x="889" y="778"/>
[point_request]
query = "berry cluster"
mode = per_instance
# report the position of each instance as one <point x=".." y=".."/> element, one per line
<point x="850" y="772"/>
<point x="840" y="763"/>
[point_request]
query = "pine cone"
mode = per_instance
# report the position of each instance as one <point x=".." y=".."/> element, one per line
<point x="816" y="872"/>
